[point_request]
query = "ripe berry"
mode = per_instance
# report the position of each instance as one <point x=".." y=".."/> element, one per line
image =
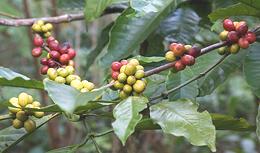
<point x="124" y="62"/>
<point x="44" y="69"/>
<point x="233" y="36"/>
<point x="22" y="116"/>
<point x="54" y="55"/>
<point x="228" y="25"/>
<point x="64" y="59"/>
<point x="44" y="61"/>
<point x="243" y="43"/>
<point x="115" y="66"/>
<point x="17" y="124"/>
<point x="242" y="29"/>
<point x="131" y="80"/>
<point x="139" y="74"/>
<point x="29" y="125"/>
<point x="37" y="52"/>
<point x="122" y="77"/>
<point x="54" y="45"/>
<point x="234" y="48"/>
<point x="23" y="99"/>
<point x="130" y="69"/>
<point x="50" y="39"/>
<point x="179" y="50"/>
<point x="71" y="53"/>
<point x="172" y="46"/>
<point x="250" y="36"/>
<point x="188" y="60"/>
<point x="51" y="63"/>
<point x="139" y="86"/>
<point x="64" y="48"/>
<point x="127" y="89"/>
<point x="223" y="35"/>
<point x="115" y="75"/>
<point x="169" y="56"/>
<point x="194" y="51"/>
<point x="179" y="66"/>
<point x="37" y="41"/>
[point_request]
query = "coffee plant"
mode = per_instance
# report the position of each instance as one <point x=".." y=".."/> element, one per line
<point x="131" y="95"/>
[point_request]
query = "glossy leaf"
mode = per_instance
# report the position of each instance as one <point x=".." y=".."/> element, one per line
<point x="126" y="115"/>
<point x="67" y="97"/>
<point x="11" y="78"/>
<point x="146" y="6"/>
<point x="181" y="118"/>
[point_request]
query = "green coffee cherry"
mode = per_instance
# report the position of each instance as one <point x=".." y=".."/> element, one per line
<point x="60" y="79"/>
<point x="70" y="69"/>
<point x="14" y="102"/>
<point x="22" y="116"/>
<point x="130" y="69"/>
<point x="17" y="124"/>
<point x="139" y="86"/>
<point x="122" y="77"/>
<point x="38" y="114"/>
<point x="123" y="95"/>
<point x="36" y="104"/>
<point x="134" y="62"/>
<point x="234" y="48"/>
<point x="89" y="85"/>
<point x="127" y="89"/>
<point x="131" y="80"/>
<point x="118" y="85"/>
<point x="139" y="67"/>
<point x="30" y="99"/>
<point x="29" y="125"/>
<point x="222" y="50"/>
<point x="62" y="72"/>
<point x="139" y="74"/>
<point x="122" y="69"/>
<point x="76" y="84"/>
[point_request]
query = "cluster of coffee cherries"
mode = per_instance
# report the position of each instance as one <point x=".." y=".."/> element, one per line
<point x="238" y="36"/>
<point x="22" y="117"/>
<point x="182" y="55"/>
<point x="128" y="77"/>
<point x="42" y="28"/>
<point x="65" y="75"/>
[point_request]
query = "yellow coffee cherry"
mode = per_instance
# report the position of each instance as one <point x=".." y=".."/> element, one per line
<point x="30" y="99"/>
<point x="47" y="34"/>
<point x="40" y="22"/>
<point x="122" y="77"/>
<point x="49" y="26"/>
<point x="36" y="28"/>
<point x="134" y="62"/>
<point x="122" y="69"/>
<point x="223" y="35"/>
<point x="23" y="99"/>
<point x="70" y="78"/>
<point x="139" y="86"/>
<point x="76" y="84"/>
<point x="139" y="74"/>
<point x="38" y="114"/>
<point x="234" y="48"/>
<point x="17" y="124"/>
<point x="14" y="102"/>
<point x="131" y="80"/>
<point x="52" y="73"/>
<point x="29" y="125"/>
<point x="84" y="90"/>
<point x="22" y="116"/>
<point x="44" y="28"/>
<point x="187" y="47"/>
<point x="118" y="85"/>
<point x="127" y="89"/>
<point x="123" y="95"/>
<point x="89" y="85"/>
<point x="48" y="56"/>
<point x="62" y="72"/>
<point x="60" y="79"/>
<point x="70" y="69"/>
<point x="130" y="69"/>
<point x="36" y="104"/>
<point x="139" y="67"/>
<point x="169" y="56"/>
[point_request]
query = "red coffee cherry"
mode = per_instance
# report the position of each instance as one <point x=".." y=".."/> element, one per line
<point x="37" y="41"/>
<point x="115" y="66"/>
<point x="228" y="25"/>
<point x="37" y="52"/>
<point x="50" y="39"/>
<point x="188" y="60"/>
<point x="44" y="69"/>
<point x="242" y="29"/>
<point x="71" y="53"/>
<point x="250" y="36"/>
<point x="194" y="51"/>
<point x="233" y="36"/>
<point x="54" y="45"/>
<point x="179" y="50"/>
<point x="51" y="63"/>
<point x="243" y="43"/>
<point x="64" y="59"/>
<point x="179" y="66"/>
<point x="55" y="55"/>
<point x="64" y="48"/>
<point x="44" y="61"/>
<point x="115" y="75"/>
<point x="124" y="62"/>
<point x="172" y="46"/>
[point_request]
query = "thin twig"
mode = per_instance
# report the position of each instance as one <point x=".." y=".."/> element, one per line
<point x="95" y="144"/>
<point x="8" y="15"/>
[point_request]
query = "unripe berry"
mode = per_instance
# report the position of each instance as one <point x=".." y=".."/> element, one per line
<point x="71" y="63"/>
<point x="130" y="69"/>
<point x="64" y="59"/>
<point x="70" y="69"/>
<point x="84" y="90"/>
<point x="251" y="37"/>
<point x="36" y="104"/>
<point x="70" y="78"/>
<point x="60" y="79"/>
<point x="228" y="25"/>
<point x="123" y="95"/>
<point x="38" y="114"/>
<point x="118" y="85"/>
<point x="115" y="66"/>
<point x="37" y="41"/>
<point x="139" y="86"/>
<point x="222" y="50"/>
<point x="169" y="56"/>
<point x="44" y="69"/>
<point x="122" y="69"/>
<point x="179" y="66"/>
<point x="44" y="61"/>
<point x="40" y="22"/>
<point x="14" y="102"/>
<point x="179" y="50"/>
<point x="234" y="48"/>
<point x="233" y="36"/>
<point x="242" y="29"/>
<point x="124" y="62"/>
<point x="139" y="67"/>
<point x="62" y="72"/>
<point x="188" y="60"/>
<point x="194" y="51"/>
<point x="122" y="77"/>
<point x="76" y="84"/>
<point x="127" y="89"/>
<point x="29" y="112"/>
<point x="37" y="52"/>
<point x="131" y="80"/>
<point x="23" y="99"/>
<point x="29" y="125"/>
<point x="134" y="62"/>
<point x="47" y="34"/>
<point x="17" y="124"/>
<point x="30" y="99"/>
<point x="243" y="43"/>
<point x="21" y="116"/>
<point x="36" y="28"/>
<point x="52" y="73"/>
<point x="55" y="55"/>
<point x="187" y="47"/>
<point x="89" y="85"/>
<point x="50" y="39"/>
<point x="114" y="75"/>
<point x="54" y="45"/>
<point x="44" y="28"/>
<point x="139" y="74"/>
<point x="71" y="53"/>
<point x="223" y="35"/>
<point x="49" y="26"/>
<point x="52" y="63"/>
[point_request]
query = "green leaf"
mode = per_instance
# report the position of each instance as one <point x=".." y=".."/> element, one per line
<point x="234" y="10"/>
<point x="146" y="60"/>
<point x="181" y="118"/>
<point x="11" y="78"/>
<point x="127" y="116"/>
<point x="67" y="149"/>
<point x="258" y="123"/>
<point x="253" y="3"/>
<point x="69" y="4"/>
<point x="155" y="85"/>
<point x="146" y="6"/>
<point x="67" y="97"/>
<point x="217" y="76"/>
<point x="175" y="79"/>
<point x="129" y="31"/>
<point x="251" y="68"/>
<point x="11" y="136"/>
<point x="94" y="9"/>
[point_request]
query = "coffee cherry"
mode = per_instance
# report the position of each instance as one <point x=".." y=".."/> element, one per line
<point x="36" y="28"/>
<point x="54" y="45"/>
<point x="242" y="29"/>
<point x="44" y="28"/>
<point x="115" y="75"/>
<point x="234" y="48"/>
<point x="187" y="47"/>
<point x="47" y="34"/>
<point x="71" y="53"/>
<point x="62" y="72"/>
<point x="36" y="104"/>
<point x="37" y="41"/>
<point x="188" y="60"/>
<point x="64" y="59"/>
<point x="127" y="89"/>
<point x="172" y="46"/>
<point x="222" y="50"/>
<point x="122" y="69"/>
<point x="40" y="22"/>
<point x="124" y="62"/>
<point x="84" y="90"/>
<point x="179" y="66"/>
<point x="233" y="36"/>
<point x="14" y="102"/>
<point x="22" y="116"/>
<point x="118" y="85"/>
<point x="130" y="69"/>
<point x="123" y="95"/>
<point x="44" y="61"/>
<point x="194" y="51"/>
<point x="38" y="114"/>
<point x="89" y="85"/>
<point x="139" y="86"/>
<point x="139" y="74"/>
<point x="37" y="52"/>
<point x="228" y="25"/>
<point x="134" y="62"/>
<point x="115" y="66"/>
<point x="49" y="26"/>
<point x="71" y="63"/>
<point x="60" y="79"/>
<point x="17" y="124"/>
<point x="44" y="69"/>
<point x="243" y="43"/>
<point x="223" y="35"/>
<point x="139" y="67"/>
<point x="76" y="84"/>
<point x="55" y="55"/>
<point x="52" y="73"/>
<point x="29" y="125"/>
<point x="64" y="48"/>
<point x="131" y="80"/>
<point x="179" y="50"/>
<point x="169" y="56"/>
<point x="70" y="69"/>
<point x="250" y="36"/>
<point x="23" y="99"/>
<point x="70" y="78"/>
<point x="52" y="63"/>
<point x="50" y="39"/>
<point x="122" y="77"/>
